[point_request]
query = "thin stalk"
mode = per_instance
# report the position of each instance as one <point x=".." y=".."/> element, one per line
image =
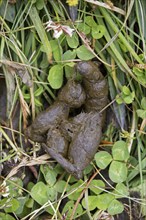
<point x="41" y="32"/>
<point x="120" y="35"/>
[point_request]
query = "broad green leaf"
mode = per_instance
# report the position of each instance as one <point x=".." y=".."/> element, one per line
<point x="90" y="21"/>
<point x="70" y="64"/>
<point x="49" y="174"/>
<point x="119" y="110"/>
<point x="39" y="193"/>
<point x="82" y="27"/>
<point x="61" y="186"/>
<point x="51" y="210"/>
<point x="58" y="169"/>
<point x="73" y="42"/>
<point x="115" y="207"/>
<point x="134" y="172"/>
<point x="4" y="216"/>
<point x="15" y="187"/>
<point x="55" y="77"/>
<point x="12" y="205"/>
<point x="119" y="99"/>
<point x="120" y="151"/>
<point x="103" y="159"/>
<point x="51" y="193"/>
<point x="118" y="172"/>
<point x="56" y="50"/>
<point x="40" y="4"/>
<point x="97" y="186"/>
<point x="141" y="113"/>
<point x="142" y="78"/>
<point x="103" y="201"/>
<point x="69" y="71"/>
<point x="90" y="203"/>
<point x="44" y="62"/>
<point x="29" y="186"/>
<point x="69" y="55"/>
<point x="129" y="98"/>
<point x="137" y="71"/>
<point x="143" y="103"/>
<point x="68" y="208"/>
<point x="126" y="90"/>
<point x="7" y="11"/>
<point x="98" y="31"/>
<point x="75" y="190"/>
<point x="22" y="201"/>
<point x="29" y="203"/>
<point x="121" y="190"/>
<point x="34" y="15"/>
<point x="84" y="54"/>
<point x="88" y="169"/>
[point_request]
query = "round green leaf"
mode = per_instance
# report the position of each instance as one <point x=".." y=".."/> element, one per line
<point x="120" y="151"/>
<point x="137" y="71"/>
<point x="61" y="186"/>
<point x="115" y="207"/>
<point x="103" y="200"/>
<point x="90" y="203"/>
<point x="83" y="53"/>
<point x="56" y="50"/>
<point x="69" y="55"/>
<point x="50" y="210"/>
<point x="22" y="201"/>
<point x="68" y="208"/>
<point x="55" y="77"/>
<point x="29" y="203"/>
<point x="73" y="41"/>
<point x="88" y="169"/>
<point x="39" y="193"/>
<point x="75" y="190"/>
<point x="102" y="159"/>
<point x="141" y="113"/>
<point x="129" y="98"/>
<point x="82" y="27"/>
<point x="40" y="4"/>
<point x="51" y="193"/>
<point x="119" y="99"/>
<point x="12" y="205"/>
<point x="143" y="103"/>
<point x="49" y="174"/>
<point x="97" y="186"/>
<point x="98" y="31"/>
<point x="118" y="172"/>
<point x="15" y="187"/>
<point x="121" y="190"/>
<point x="4" y="216"/>
<point x="90" y="21"/>
<point x="126" y="90"/>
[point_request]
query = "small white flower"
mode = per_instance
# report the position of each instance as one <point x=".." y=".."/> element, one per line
<point x="57" y="33"/>
<point x="4" y="190"/>
<point x="67" y="30"/>
<point x="58" y="29"/>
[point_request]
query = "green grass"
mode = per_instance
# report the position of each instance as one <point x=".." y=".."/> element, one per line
<point x="27" y="55"/>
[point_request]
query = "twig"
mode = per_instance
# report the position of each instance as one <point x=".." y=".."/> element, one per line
<point x="80" y="197"/>
<point x="106" y="5"/>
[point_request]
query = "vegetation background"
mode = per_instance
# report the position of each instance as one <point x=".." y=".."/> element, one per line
<point x="35" y="60"/>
